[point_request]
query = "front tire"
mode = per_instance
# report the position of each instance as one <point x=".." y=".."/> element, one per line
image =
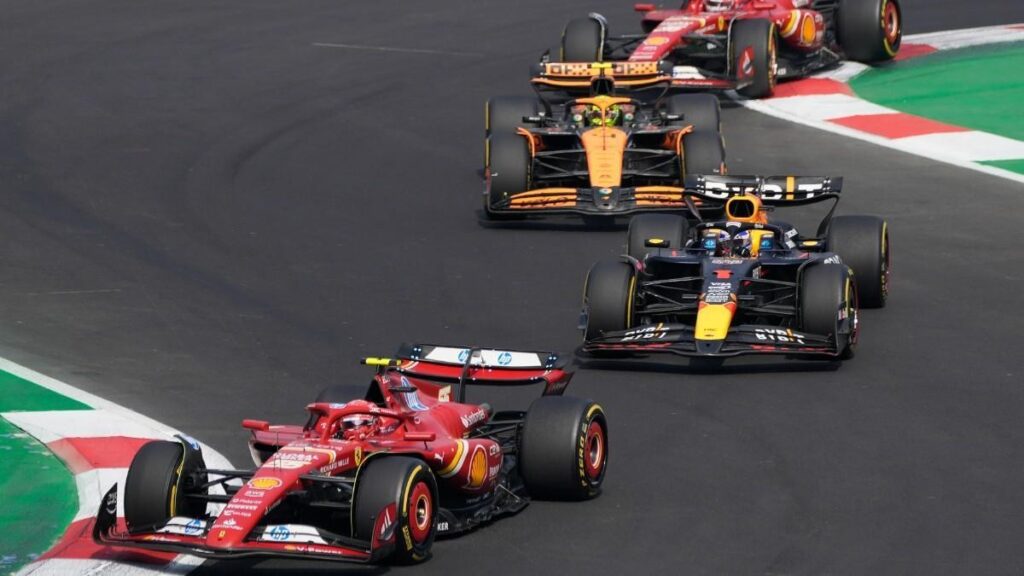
<point x="608" y="298"/>
<point x="503" y="114"/>
<point x="508" y="169"/>
<point x="757" y="65"/>
<point x="870" y="30"/>
<point x="157" y="484"/>
<point x="828" y="305"/>
<point x="409" y="485"/>
<point x="583" y="41"/>
<point x="863" y="244"/>
<point x="563" y="450"/>
<point x="668" y="227"/>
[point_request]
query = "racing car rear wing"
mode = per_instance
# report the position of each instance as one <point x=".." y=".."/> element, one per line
<point x="572" y="76"/>
<point x="479" y="366"/>
<point x="772" y="190"/>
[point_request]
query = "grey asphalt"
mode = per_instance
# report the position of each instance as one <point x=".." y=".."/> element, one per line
<point x="209" y="213"/>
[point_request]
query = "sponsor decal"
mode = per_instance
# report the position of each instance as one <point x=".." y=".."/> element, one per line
<point x="442" y="526"/>
<point x="256" y="494"/>
<point x="337" y="406"/>
<point x="236" y="506"/>
<point x="656" y="40"/>
<point x="477" y="468"/>
<point x="230" y="524"/>
<point x="727" y="261"/>
<point x="833" y="259"/>
<point x="473" y="417"/>
<point x="687" y="73"/>
<point x="279" y="533"/>
<point x="190" y="441"/>
<point x="492" y="472"/>
<point x="358" y="455"/>
<point x="265" y="483"/>
<point x="504" y="359"/>
<point x="194" y="526"/>
<point x="784" y="336"/>
<point x="656" y="332"/>
<point x="463" y="355"/>
<point x="718" y="293"/>
<point x="334" y="465"/>
<point x="444" y="394"/>
<point x="408" y="537"/>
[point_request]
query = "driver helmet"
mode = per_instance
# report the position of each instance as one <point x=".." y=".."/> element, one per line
<point x="358" y="426"/>
<point x="579" y="115"/>
<point x="718" y="242"/>
<point x="593" y="116"/>
<point x="741" y="243"/>
<point x="718" y="5"/>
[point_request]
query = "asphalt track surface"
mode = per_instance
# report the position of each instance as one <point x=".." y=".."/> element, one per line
<point x="206" y="216"/>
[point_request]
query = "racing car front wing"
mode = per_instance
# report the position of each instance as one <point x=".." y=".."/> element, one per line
<point x="741" y="340"/>
<point x="192" y="539"/>
<point x="613" y="201"/>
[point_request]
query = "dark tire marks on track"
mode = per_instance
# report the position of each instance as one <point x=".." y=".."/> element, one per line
<point x="206" y="217"/>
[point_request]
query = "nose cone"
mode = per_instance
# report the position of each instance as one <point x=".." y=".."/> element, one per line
<point x="713" y="321"/>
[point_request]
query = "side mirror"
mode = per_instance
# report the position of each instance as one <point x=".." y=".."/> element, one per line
<point x="643" y="7"/>
<point x="257" y="425"/>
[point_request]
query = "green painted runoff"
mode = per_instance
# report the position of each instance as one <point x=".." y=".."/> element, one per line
<point x="39" y="495"/>
<point x="980" y="88"/>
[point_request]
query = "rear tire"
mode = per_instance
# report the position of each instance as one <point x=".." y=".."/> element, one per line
<point x="155" y="489"/>
<point x="702" y="111"/>
<point x="863" y="244"/>
<point x="583" y="41"/>
<point x="563" y="450"/>
<point x="508" y="168"/>
<point x="826" y="292"/>
<point x="664" y="226"/>
<point x="760" y="66"/>
<point x="608" y="298"/>
<point x="409" y="485"/>
<point x="870" y="30"/>
<point x="703" y="153"/>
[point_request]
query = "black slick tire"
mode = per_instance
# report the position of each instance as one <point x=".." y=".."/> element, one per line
<point x="508" y="169"/>
<point x="702" y="111"/>
<point x="828" y="305"/>
<point x="409" y="485"/>
<point x="667" y="227"/>
<point x="862" y="242"/>
<point x="869" y="30"/>
<point x="503" y="114"/>
<point x="563" y="449"/>
<point x="154" y="491"/>
<point x="702" y="153"/>
<point x="760" y="65"/>
<point x="582" y="41"/>
<point x="608" y="297"/>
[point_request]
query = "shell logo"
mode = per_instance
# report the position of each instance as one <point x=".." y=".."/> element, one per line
<point x="264" y="483"/>
<point x="807" y="30"/>
<point x="656" y="41"/>
<point x="477" y="468"/>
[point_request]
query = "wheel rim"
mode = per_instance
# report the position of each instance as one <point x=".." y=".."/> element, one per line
<point x="891" y="27"/>
<point x="594" y="451"/>
<point x="421" y="514"/>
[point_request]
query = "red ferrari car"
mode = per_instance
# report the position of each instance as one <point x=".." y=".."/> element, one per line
<point x="376" y="472"/>
<point x="744" y="44"/>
